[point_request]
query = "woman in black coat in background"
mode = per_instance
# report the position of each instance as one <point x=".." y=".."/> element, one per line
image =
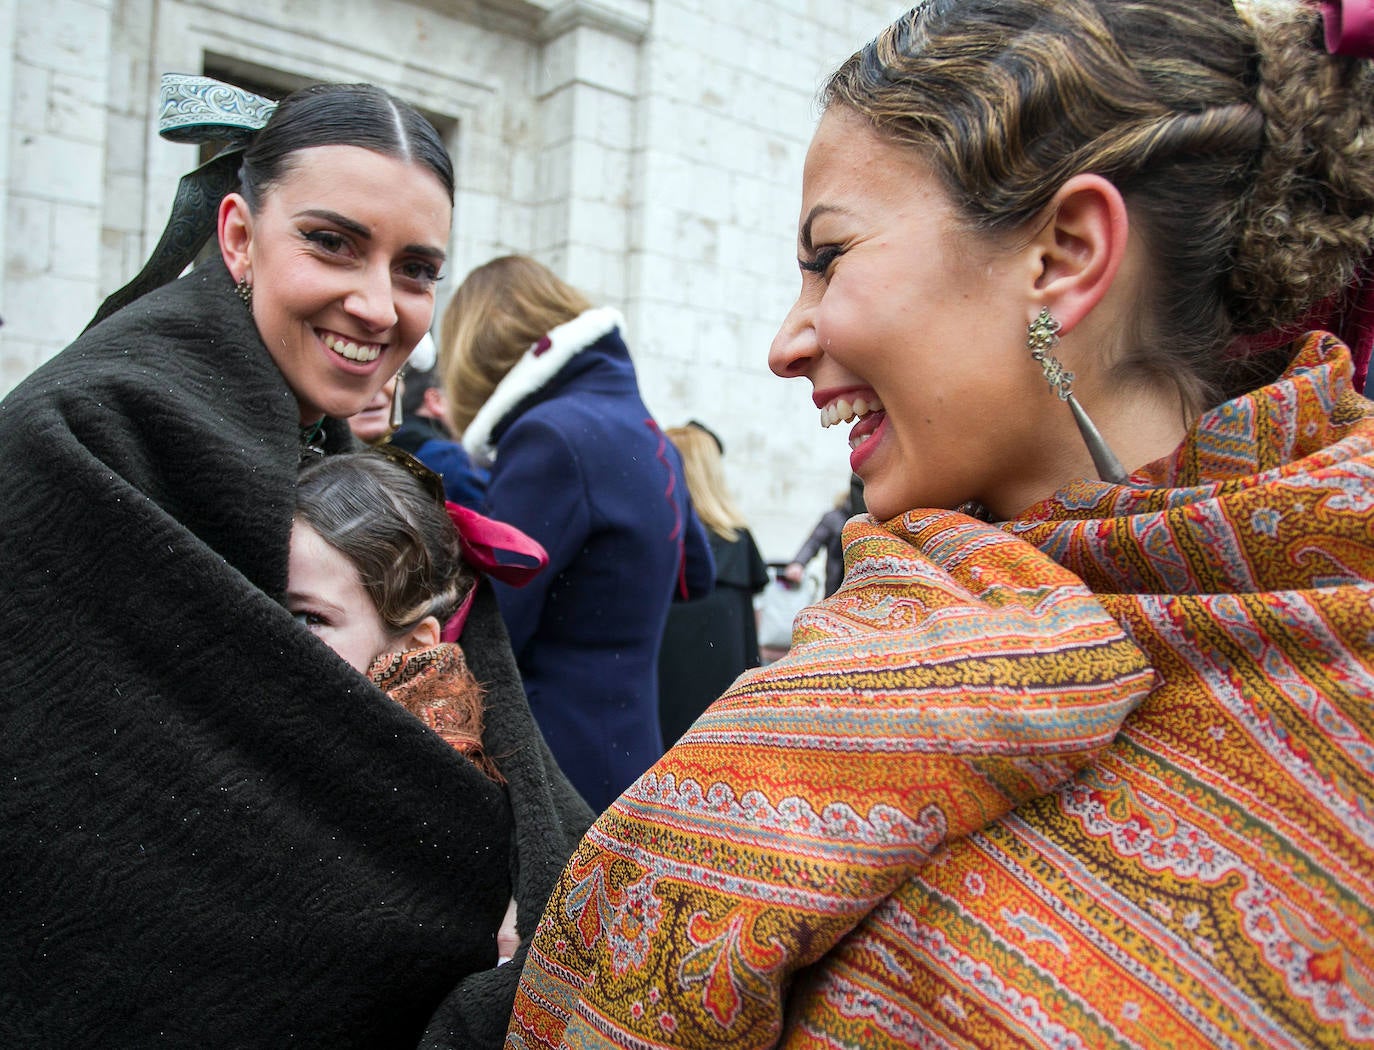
<point x="710" y="642"/>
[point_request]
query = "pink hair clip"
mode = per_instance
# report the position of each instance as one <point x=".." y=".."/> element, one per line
<point x="1349" y="27"/>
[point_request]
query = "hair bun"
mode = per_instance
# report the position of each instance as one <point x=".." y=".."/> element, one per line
<point x="1309" y="220"/>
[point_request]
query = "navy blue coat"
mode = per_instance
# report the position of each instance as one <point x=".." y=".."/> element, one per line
<point x="581" y="466"/>
<point x="464" y="483"/>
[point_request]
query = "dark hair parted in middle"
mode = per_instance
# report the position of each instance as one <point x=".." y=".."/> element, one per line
<point x="397" y="533"/>
<point x="1244" y="152"/>
<point x="361" y="115"/>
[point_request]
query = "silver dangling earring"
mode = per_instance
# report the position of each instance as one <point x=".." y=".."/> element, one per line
<point x="1042" y="336"/>
<point x="244" y="291"/>
<point x="397" y="411"/>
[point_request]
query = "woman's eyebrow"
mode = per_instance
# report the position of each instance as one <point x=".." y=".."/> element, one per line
<point x="359" y="230"/>
<point x="351" y="225"/>
<point x="815" y="213"/>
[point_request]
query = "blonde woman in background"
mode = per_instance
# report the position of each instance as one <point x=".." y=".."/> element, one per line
<point x="711" y="641"/>
<point x="542" y="388"/>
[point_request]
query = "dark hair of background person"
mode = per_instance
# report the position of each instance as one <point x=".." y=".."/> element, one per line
<point x="1250" y="179"/>
<point x="414" y="384"/>
<point x="362" y="115"/>
<point x="393" y="529"/>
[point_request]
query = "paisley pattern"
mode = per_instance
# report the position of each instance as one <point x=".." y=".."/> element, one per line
<point x="816" y="787"/>
<point x="908" y="833"/>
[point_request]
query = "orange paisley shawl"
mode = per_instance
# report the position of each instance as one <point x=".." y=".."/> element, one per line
<point x="942" y="820"/>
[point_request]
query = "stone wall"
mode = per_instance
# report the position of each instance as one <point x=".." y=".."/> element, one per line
<point x="648" y="150"/>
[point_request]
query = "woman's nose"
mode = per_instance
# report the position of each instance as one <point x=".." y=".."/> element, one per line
<point x="795" y="346"/>
<point x="373" y="301"/>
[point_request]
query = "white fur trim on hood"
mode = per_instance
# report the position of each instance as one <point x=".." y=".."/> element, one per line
<point x="532" y="372"/>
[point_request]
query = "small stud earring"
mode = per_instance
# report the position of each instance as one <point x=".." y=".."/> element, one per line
<point x="1042" y="336"/>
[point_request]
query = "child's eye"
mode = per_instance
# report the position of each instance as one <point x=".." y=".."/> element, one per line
<point x="308" y="619"/>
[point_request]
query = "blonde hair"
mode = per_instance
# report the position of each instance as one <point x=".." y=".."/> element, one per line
<point x="501" y="309"/>
<point x="704" y="467"/>
<point x="1244" y="151"/>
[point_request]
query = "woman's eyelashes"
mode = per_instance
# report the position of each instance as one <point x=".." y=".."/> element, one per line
<point x="424" y="273"/>
<point x="821" y="260"/>
<point x="421" y="273"/>
<point x="330" y="242"/>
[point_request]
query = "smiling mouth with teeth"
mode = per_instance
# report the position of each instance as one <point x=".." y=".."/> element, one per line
<point x="353" y="351"/>
<point x="842" y="411"/>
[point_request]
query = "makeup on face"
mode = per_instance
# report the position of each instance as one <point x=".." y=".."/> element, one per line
<point x="344" y="254"/>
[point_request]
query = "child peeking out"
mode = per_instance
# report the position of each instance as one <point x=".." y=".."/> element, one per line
<point x="376" y="569"/>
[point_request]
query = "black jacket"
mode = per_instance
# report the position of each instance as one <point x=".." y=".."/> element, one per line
<point x="215" y="832"/>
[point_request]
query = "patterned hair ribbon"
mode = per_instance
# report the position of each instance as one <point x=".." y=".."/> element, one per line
<point x="481" y="539"/>
<point x="1349" y="27"/>
<point x="195" y="109"/>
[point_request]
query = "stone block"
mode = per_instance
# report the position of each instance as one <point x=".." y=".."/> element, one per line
<point x="49" y="308"/>
<point x="515" y="226"/>
<point x="598" y="225"/>
<point x="125" y="145"/>
<point x="29" y="110"/>
<point x="19" y="357"/>
<point x="553" y="178"/>
<point x="590" y="56"/>
<point x="475" y="214"/>
<point x="71" y="36"/>
<point x="604" y="117"/>
<point x="550" y="228"/>
<point x="76" y="228"/>
<point x="557" y="116"/>
<point x="28" y="237"/>
<point x="76" y="108"/>
<point x="55" y="168"/>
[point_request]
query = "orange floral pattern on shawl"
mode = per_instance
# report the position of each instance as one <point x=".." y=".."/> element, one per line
<point x="820" y="784"/>
<point x="1203" y="882"/>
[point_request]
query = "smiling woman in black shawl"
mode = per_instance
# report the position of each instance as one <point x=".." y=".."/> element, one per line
<point x="216" y="833"/>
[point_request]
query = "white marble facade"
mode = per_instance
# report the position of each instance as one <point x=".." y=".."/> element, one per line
<point x="649" y="150"/>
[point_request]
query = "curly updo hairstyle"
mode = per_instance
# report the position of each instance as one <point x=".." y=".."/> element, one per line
<point x="1245" y="153"/>
<point x="395" y="531"/>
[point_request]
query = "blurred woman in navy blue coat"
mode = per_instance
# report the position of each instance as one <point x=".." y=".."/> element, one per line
<point x="541" y="386"/>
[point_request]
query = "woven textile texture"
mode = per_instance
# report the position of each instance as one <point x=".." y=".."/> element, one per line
<point x="948" y="819"/>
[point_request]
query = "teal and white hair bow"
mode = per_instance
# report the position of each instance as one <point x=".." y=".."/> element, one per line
<point x="195" y="109"/>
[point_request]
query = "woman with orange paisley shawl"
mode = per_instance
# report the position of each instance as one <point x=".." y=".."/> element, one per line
<point x="1081" y="754"/>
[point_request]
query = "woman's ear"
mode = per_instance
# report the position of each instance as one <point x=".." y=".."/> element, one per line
<point x="1080" y="247"/>
<point x="235" y="231"/>
<point x="423" y="635"/>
